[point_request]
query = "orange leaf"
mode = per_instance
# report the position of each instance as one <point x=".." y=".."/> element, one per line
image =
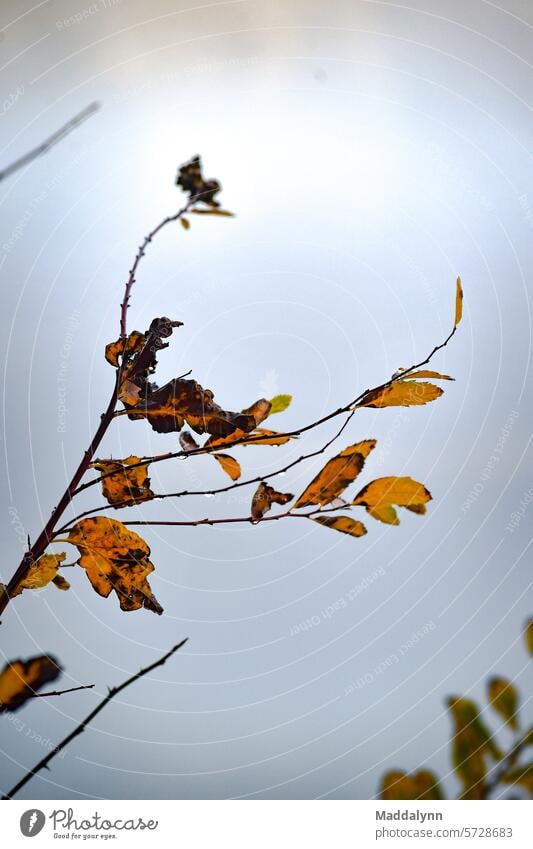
<point x="336" y="475"/>
<point x="126" y="486"/>
<point x="115" y="558"/>
<point x="401" y="393"/>
<point x="379" y="496"/>
<point x="229" y="465"/>
<point x="342" y="523"/>
<point x="43" y="572"/>
<point x="458" y="302"/>
<point x="20" y="680"/>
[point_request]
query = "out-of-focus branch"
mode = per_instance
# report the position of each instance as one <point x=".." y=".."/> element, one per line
<point x="114" y="691"/>
<point x="51" y="141"/>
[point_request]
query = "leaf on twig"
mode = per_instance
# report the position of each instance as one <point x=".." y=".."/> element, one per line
<point x="254" y="437"/>
<point x="264" y="497"/>
<point x="336" y="475"/>
<point x="401" y="393"/>
<point x="379" y="496"/>
<point x="115" y="558"/>
<point x="185" y="223"/>
<point x="503" y="697"/>
<point x="223" y="212"/>
<point x="192" y="181"/>
<point x="398" y="785"/>
<point x="458" y="302"/>
<point x="425" y="373"/>
<point x="41" y="573"/>
<point x="125" y="487"/>
<point x="227" y="463"/>
<point x="279" y="403"/>
<point x="124" y="347"/>
<point x="21" y="679"/>
<point x="344" y="524"/>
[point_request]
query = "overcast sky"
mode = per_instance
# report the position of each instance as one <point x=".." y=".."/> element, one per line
<point x="372" y="151"/>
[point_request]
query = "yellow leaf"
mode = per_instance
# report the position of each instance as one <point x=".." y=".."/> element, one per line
<point x="399" y="786"/>
<point x="185" y="223"/>
<point x="20" y="680"/>
<point x="503" y="697"/>
<point x="458" y="302"/>
<point x="265" y="496"/>
<point x="115" y="558"/>
<point x="425" y="373"/>
<point x="125" y="486"/>
<point x="336" y="475"/>
<point x="279" y="403"/>
<point x="229" y="465"/>
<point x="223" y="212"/>
<point x="472" y="744"/>
<point x="343" y="524"/>
<point x="42" y="572"/>
<point x="401" y="393"/>
<point x="379" y="496"/>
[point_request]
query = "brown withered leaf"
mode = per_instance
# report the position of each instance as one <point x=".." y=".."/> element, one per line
<point x="344" y="524"/>
<point x="264" y="497"/>
<point x="398" y="785"/>
<point x="336" y="475"/>
<point x="192" y="181"/>
<point x="125" y="486"/>
<point x="115" y="558"/>
<point x="255" y="437"/>
<point x="179" y="401"/>
<point x="432" y="374"/>
<point x="229" y="465"/>
<point x="224" y="212"/>
<point x="21" y="679"/>
<point x="379" y="496"/>
<point x="185" y="223"/>
<point x="401" y="393"/>
<point x="42" y="572"/>
<point x="124" y="346"/>
<point x="260" y="410"/>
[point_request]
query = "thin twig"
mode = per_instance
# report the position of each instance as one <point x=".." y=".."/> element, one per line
<point x="62" y="692"/>
<point x="51" y="141"/>
<point x="43" y="764"/>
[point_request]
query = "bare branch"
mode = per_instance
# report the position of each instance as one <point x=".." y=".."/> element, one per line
<point x="62" y="692"/>
<point x="51" y="141"/>
<point x="43" y="764"/>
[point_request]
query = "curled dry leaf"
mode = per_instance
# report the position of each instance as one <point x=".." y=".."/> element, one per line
<point x="398" y="785"/>
<point x="264" y="497"/>
<point x="193" y="182"/>
<point x="255" y="437"/>
<point x="344" y="524"/>
<point x="124" y="346"/>
<point x="21" y="679"/>
<point x="336" y="475"/>
<point x="379" y="496"/>
<point x="125" y="486"/>
<point x="42" y="572"/>
<point x="503" y="697"/>
<point x="115" y="558"/>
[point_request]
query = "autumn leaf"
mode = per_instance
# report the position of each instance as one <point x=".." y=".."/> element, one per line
<point x="255" y="437"/>
<point x="115" y="558"/>
<point x="264" y="497"/>
<point x="185" y="223"/>
<point x="458" y="302"/>
<point x="192" y="181"/>
<point x="260" y="410"/>
<point x="431" y="374"/>
<point x="279" y="403"/>
<point x="503" y="697"/>
<point x="125" y="487"/>
<point x="229" y="465"/>
<point x="401" y="393"/>
<point x="344" y="524"/>
<point x="21" y="679"/>
<point x="336" y="475"/>
<point x="124" y="346"/>
<point x="223" y="212"/>
<point x="399" y="786"/>
<point x="528" y="636"/>
<point x="41" y="573"/>
<point x="472" y="744"/>
<point x="379" y="496"/>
